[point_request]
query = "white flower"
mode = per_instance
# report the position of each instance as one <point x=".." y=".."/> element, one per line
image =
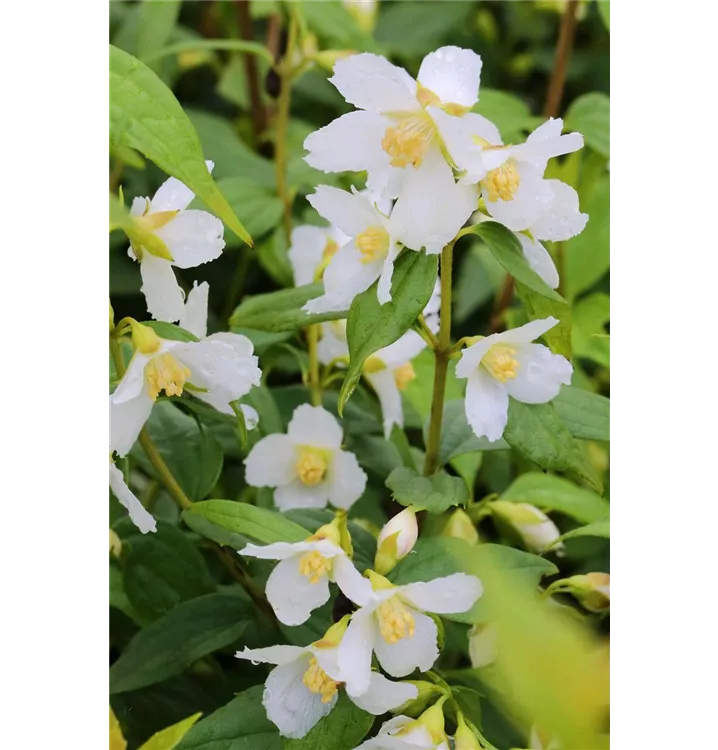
<point x="311" y="248"/>
<point x="404" y="528"/>
<point x="138" y="514"/>
<point x="192" y="237"/>
<point x="508" y="364"/>
<point x="391" y="623"/>
<point x="223" y="371"/>
<point x="304" y="686"/>
<point x="536" y="529"/>
<point x="397" y="134"/>
<point x="246" y="373"/>
<point x="300" y="583"/>
<point x="403" y="733"/>
<point x="307" y="466"/>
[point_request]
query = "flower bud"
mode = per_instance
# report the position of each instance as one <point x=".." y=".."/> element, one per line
<point x="465" y="739"/>
<point x="592" y="590"/>
<point x="428" y="692"/>
<point x="460" y="526"/>
<point x="364" y="12"/>
<point x="115" y="544"/>
<point x="144" y="339"/>
<point x="333" y="637"/>
<point x="326" y="58"/>
<point x="482" y="645"/>
<point x="536" y="529"/>
<point x="396" y="540"/>
<point x="433" y="720"/>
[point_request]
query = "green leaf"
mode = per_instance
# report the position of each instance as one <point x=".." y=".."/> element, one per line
<point x="537" y="307"/>
<point x="343" y="729"/>
<point x="589" y="339"/>
<point x="586" y="414"/>
<point x="162" y="570"/>
<point x="590" y="115"/>
<point x="258" y="208"/>
<point x="240" y="725"/>
<point x="168" y="738"/>
<point x="506" y="249"/>
<point x="146" y="116"/>
<point x="604" y="10"/>
<point x="260" y="524"/>
<point x="281" y="311"/>
<point x="156" y="21"/>
<point x="169" y="331"/>
<point x="554" y="493"/>
<point x="187" y="633"/>
<point x="191" y="452"/>
<point x="597" y="528"/>
<point x="435" y="494"/>
<point x="537" y="432"/>
<point x="203" y="45"/>
<point x="588" y="254"/>
<point x="510" y="114"/>
<point x="371" y="326"/>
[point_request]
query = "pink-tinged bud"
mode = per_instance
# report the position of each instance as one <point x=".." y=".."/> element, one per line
<point x="396" y="540"/>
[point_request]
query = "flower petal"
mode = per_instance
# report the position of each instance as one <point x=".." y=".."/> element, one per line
<point x="306" y="251"/>
<point x="383" y="289"/>
<point x="132" y="383"/>
<point x="285" y="550"/>
<point x="194" y="317"/>
<point x="315" y="426"/>
<point x="447" y="595"/>
<point x="290" y="704"/>
<point x="532" y="198"/>
<point x="351" y="582"/>
<point x="562" y="219"/>
<point x="174" y="195"/>
<point x="528" y="332"/>
<point x="298" y="495"/>
<point x="453" y="74"/>
<point x="486" y="405"/>
<point x="127" y="420"/>
<point x="540" y="375"/>
<point x="165" y="300"/>
<point x="354" y="655"/>
<point x="272" y="654"/>
<point x="540" y="260"/>
<point x="351" y="212"/>
<point x="387" y="390"/>
<point x="333" y="342"/>
<point x="419" y="651"/>
<point x="138" y="513"/>
<point x="346" y="480"/>
<point x="372" y="83"/>
<point x="193" y="238"/>
<point x="292" y="595"/>
<point x="383" y="695"/>
<point x="546" y="142"/>
<point x="404" y="349"/>
<point x="271" y="463"/>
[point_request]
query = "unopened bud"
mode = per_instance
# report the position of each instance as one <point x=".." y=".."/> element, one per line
<point x="433" y="720"/>
<point x="592" y="590"/>
<point x="329" y="531"/>
<point x="144" y="339"/>
<point x="333" y="637"/>
<point x="396" y="540"/>
<point x="465" y="739"/>
<point x="326" y="58"/>
<point x="115" y="544"/>
<point x="536" y="529"/>
<point x="482" y="645"/>
<point x="427" y="692"/>
<point x="460" y="526"/>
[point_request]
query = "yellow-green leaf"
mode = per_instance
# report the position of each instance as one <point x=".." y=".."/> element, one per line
<point x="168" y="739"/>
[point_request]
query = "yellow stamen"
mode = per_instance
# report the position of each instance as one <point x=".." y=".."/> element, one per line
<point x="311" y="466"/>
<point x="395" y="620"/>
<point x="373" y="244"/>
<point x="165" y="373"/>
<point x="314" y="566"/>
<point x="318" y="681"/>
<point x="501" y="362"/>
<point x="408" y="142"/>
<point x="502" y="182"/>
<point x="404" y="375"/>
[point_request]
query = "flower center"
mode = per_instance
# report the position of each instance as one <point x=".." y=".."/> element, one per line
<point x="395" y="620"/>
<point x="311" y="466"/>
<point x="165" y="373"/>
<point x="404" y="375"/>
<point x="501" y="362"/>
<point x="373" y="244"/>
<point x="314" y="566"/>
<point x="408" y="142"/>
<point x="318" y="681"/>
<point x="502" y="182"/>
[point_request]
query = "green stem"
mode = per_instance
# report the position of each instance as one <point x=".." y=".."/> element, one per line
<point x="166" y="476"/>
<point x="441" y="359"/>
<point x="315" y="385"/>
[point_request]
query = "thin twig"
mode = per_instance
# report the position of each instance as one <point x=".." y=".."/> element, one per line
<point x="257" y="113"/>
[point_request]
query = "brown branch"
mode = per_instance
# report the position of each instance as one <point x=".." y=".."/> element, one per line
<point x="564" y="47"/>
<point x="258" y="115"/>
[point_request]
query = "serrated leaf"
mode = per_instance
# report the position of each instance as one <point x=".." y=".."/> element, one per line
<point x="590" y="115"/>
<point x="146" y="116"/>
<point x="434" y="494"/>
<point x="168" y="646"/>
<point x="371" y="326"/>
<point x="537" y="307"/>
<point x="343" y="729"/>
<point x="167" y="739"/>
<point x="587" y="415"/>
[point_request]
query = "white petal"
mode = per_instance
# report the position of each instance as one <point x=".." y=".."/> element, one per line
<point x="371" y="82"/>
<point x="127" y="420"/>
<point x="540" y="375"/>
<point x="132" y="383"/>
<point x="315" y="426"/>
<point x="327" y="658"/>
<point x="453" y="74"/>
<point x="404" y="349"/>
<point x="383" y="288"/>
<point x="292" y="595"/>
<point x="194" y="317"/>
<point x="306" y="251"/>
<point x="387" y="390"/>
<point x="251" y="418"/>
<point x="562" y="219"/>
<point x="290" y="704"/>
<point x="432" y="207"/>
<point x="241" y="345"/>
<point x="351" y="212"/>
<point x="409" y="653"/>
<point x="532" y="198"/>
<point x="383" y="695"/>
<point x="193" y="238"/>
<point x="285" y="550"/>
<point x="173" y="195"/>
<point x="333" y="343"/>
<point x="354" y="656"/>
<point x="272" y="654"/>
<point x="486" y="405"/>
<point x="540" y="260"/>
<point x="546" y="142"/>
<point x="138" y="514"/>
<point x="346" y="480"/>
<point x="447" y="595"/>
<point x="298" y="495"/>
<point x="351" y="582"/>
<point x="271" y="463"/>
<point x="165" y="299"/>
<point x="528" y="332"/>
